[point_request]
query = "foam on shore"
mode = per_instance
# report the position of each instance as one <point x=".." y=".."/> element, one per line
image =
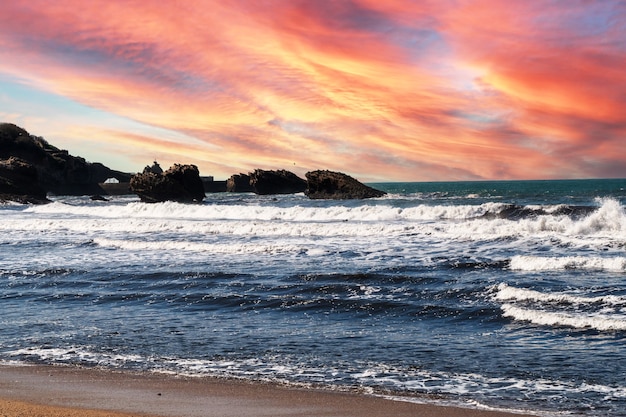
<point x="64" y="391"/>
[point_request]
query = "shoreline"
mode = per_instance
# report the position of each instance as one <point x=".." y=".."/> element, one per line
<point x="45" y="390"/>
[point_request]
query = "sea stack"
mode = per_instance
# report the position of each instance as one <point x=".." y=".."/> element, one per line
<point x="266" y="182"/>
<point x="276" y="182"/>
<point x="337" y="186"/>
<point x="180" y="183"/>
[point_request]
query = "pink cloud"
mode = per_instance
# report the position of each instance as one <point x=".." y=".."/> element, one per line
<point x="383" y="90"/>
<point x="557" y="70"/>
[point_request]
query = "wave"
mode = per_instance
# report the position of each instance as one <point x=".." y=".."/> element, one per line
<point x="327" y="211"/>
<point x="603" y="312"/>
<point x="222" y="248"/>
<point x="517" y="212"/>
<point x="506" y="292"/>
<point x="324" y="211"/>
<point x="553" y="263"/>
<point x="610" y="217"/>
<point x="603" y="227"/>
<point x="555" y="319"/>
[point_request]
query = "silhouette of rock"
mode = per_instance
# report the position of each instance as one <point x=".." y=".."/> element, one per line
<point x="239" y="183"/>
<point x="337" y="186"/>
<point x="268" y="182"/>
<point x="180" y="183"/>
<point x="58" y="172"/>
<point x="276" y="182"/>
<point x="19" y="182"/>
<point x="155" y="168"/>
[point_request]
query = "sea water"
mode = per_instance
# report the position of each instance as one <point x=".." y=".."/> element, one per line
<point x="508" y="295"/>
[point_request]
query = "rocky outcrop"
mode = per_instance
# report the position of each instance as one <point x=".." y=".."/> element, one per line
<point x="180" y="183"/>
<point x="19" y="182"/>
<point x="276" y="182"/>
<point x="239" y="183"/>
<point x="264" y="182"/>
<point x="337" y="186"/>
<point x="155" y="168"/>
<point x="58" y="172"/>
<point x="97" y="197"/>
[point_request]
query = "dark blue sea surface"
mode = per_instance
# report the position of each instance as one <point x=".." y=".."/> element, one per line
<point x="506" y="295"/>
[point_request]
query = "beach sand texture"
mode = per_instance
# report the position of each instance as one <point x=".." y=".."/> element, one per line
<point x="38" y="391"/>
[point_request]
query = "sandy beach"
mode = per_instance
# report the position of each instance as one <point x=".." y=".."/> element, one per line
<point x="32" y="391"/>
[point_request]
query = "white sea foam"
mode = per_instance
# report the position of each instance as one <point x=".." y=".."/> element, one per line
<point x="237" y="248"/>
<point x="77" y="354"/>
<point x="506" y="292"/>
<point x="608" y="222"/>
<point x="577" y="320"/>
<point x="611" y="216"/>
<point x="369" y="235"/>
<point x="293" y="372"/>
<point x="603" y="227"/>
<point x="550" y="263"/>
<point x="329" y="212"/>
<point x="603" y="312"/>
<point x="462" y="221"/>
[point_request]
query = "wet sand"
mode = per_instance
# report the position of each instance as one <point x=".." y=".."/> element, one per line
<point x="51" y="391"/>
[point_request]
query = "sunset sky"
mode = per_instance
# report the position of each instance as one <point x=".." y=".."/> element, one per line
<point x="392" y="90"/>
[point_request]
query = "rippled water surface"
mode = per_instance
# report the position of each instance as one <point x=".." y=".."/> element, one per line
<point x="505" y="294"/>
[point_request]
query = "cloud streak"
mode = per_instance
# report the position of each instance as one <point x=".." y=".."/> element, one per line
<point x="389" y="90"/>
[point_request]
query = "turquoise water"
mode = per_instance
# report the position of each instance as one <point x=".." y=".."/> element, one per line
<point x="522" y="192"/>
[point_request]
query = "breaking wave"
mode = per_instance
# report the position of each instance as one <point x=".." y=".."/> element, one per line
<point x="560" y="309"/>
<point x="551" y="263"/>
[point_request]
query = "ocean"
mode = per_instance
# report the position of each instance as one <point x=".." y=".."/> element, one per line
<point x="498" y="295"/>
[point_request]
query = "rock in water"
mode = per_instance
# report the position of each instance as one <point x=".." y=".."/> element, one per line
<point x="264" y="182"/>
<point x="276" y="182"/>
<point x="239" y="183"/>
<point x="97" y="197"/>
<point x="337" y="186"/>
<point x="180" y="183"/>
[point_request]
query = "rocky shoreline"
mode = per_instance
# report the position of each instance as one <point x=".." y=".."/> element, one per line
<point x="31" y="168"/>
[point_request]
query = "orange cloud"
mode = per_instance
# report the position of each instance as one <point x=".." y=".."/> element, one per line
<point x="389" y="90"/>
<point x="557" y="70"/>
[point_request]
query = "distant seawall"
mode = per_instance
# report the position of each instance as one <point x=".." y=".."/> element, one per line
<point x="115" y="188"/>
<point x="211" y="186"/>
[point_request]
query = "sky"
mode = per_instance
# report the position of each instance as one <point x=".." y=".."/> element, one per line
<point x="394" y="90"/>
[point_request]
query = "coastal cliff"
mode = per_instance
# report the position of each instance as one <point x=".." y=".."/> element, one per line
<point x="48" y="168"/>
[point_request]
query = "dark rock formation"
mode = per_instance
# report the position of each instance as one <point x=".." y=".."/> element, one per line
<point x="97" y="197"/>
<point x="276" y="182"/>
<point x="239" y="183"/>
<point x="155" y="168"/>
<point x="180" y="183"/>
<point x="264" y="182"/>
<point x="337" y="186"/>
<point x="19" y="181"/>
<point x="58" y="172"/>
